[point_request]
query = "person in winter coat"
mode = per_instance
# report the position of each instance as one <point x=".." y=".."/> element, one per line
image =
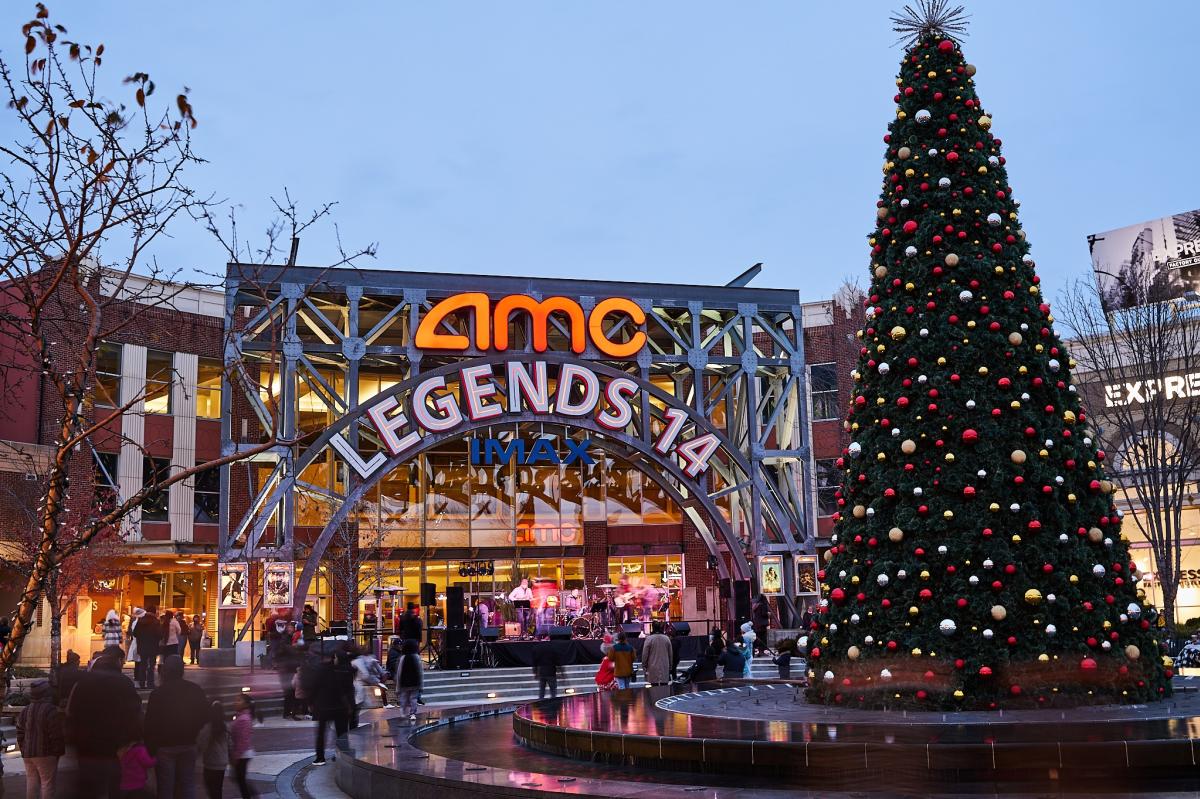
<point x="748" y="639"/>
<point x="657" y="655"/>
<point x="111" y="629"/>
<point x="760" y="615"/>
<point x="136" y="763"/>
<point x="147" y="640"/>
<point x="329" y="684"/>
<point x="241" y="745"/>
<point x="175" y="712"/>
<point x="367" y="673"/>
<point x="69" y="674"/>
<point x="172" y="634"/>
<point x="41" y="737"/>
<point x="734" y="661"/>
<point x="103" y="713"/>
<point x="287" y="663"/>
<point x="213" y="743"/>
<point x="195" y="638"/>
<point x="392" y="659"/>
<point x="410" y="679"/>
<point x="605" y="681"/>
<point x="622" y="656"/>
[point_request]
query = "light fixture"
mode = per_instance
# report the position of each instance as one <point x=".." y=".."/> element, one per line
<point x="245" y="689"/>
<point x="491" y="695"/>
<point x="185" y="561"/>
<point x="144" y="562"/>
<point x="570" y="690"/>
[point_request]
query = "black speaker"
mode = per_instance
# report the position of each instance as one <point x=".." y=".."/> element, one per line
<point x="489" y="633"/>
<point x="428" y="594"/>
<point x="681" y="628"/>
<point x="632" y="630"/>
<point x="456" y="638"/>
<point x="724" y="588"/>
<point x="741" y="600"/>
<point x="454" y="607"/>
<point x="558" y="633"/>
<point x="458" y="658"/>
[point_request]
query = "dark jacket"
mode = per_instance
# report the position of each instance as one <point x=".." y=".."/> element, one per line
<point x="41" y="730"/>
<point x="68" y="676"/>
<point x="329" y="686"/>
<point x="622" y="656"/>
<point x="784" y="661"/>
<point x="148" y="633"/>
<point x="393" y="658"/>
<point x="104" y="713"/>
<point x="545" y="659"/>
<point x="705" y="667"/>
<point x="410" y="627"/>
<point x="733" y="661"/>
<point x="175" y="712"/>
<point x="411" y="675"/>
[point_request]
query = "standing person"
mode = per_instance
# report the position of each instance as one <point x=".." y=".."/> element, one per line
<point x="605" y="681"/>
<point x="287" y="662"/>
<point x="241" y="742"/>
<point x="410" y="679"/>
<point x="409" y="626"/>
<point x="330" y="687"/>
<point x="41" y="737"/>
<point x="308" y="623"/>
<point x="546" y="662"/>
<point x="104" y="712"/>
<point x="175" y="712"/>
<point x="111" y="629"/>
<point x="171" y="633"/>
<point x="657" y="655"/>
<point x="748" y="639"/>
<point x="147" y="638"/>
<point x="195" y="639"/>
<point x="622" y="655"/>
<point x="571" y="603"/>
<point x="783" y="660"/>
<point x="136" y="763"/>
<point x="760" y="614"/>
<point x="214" y="743"/>
<point x="717" y="641"/>
<point x="483" y="613"/>
<point x="69" y="674"/>
<point x="733" y="661"/>
<point x="522" y="594"/>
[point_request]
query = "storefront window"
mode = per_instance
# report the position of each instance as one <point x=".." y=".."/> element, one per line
<point x="447" y="498"/>
<point x="623" y="493"/>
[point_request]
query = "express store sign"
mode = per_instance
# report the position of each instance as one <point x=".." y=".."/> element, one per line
<point x="488" y="392"/>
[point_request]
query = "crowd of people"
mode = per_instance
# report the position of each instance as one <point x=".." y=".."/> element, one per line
<point x="119" y="740"/>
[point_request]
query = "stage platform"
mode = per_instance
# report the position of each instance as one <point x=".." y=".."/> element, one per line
<point x="580" y="650"/>
<point x="763" y="740"/>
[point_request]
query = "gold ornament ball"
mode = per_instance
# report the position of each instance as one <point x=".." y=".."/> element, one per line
<point x="958" y="694"/>
<point x="951" y="259"/>
<point x="970" y="70"/>
<point x="908" y="446"/>
<point x="895" y="535"/>
<point x="1074" y="579"/>
<point x="881" y="271"/>
<point x="898" y="333"/>
<point x="1069" y="417"/>
<point x="913" y="611"/>
<point x="1095" y="535"/>
<point x="1043" y="658"/>
<point x="828" y="555"/>
<point x="916" y="652"/>
<point x="1132" y="652"/>
<point x="1015" y="338"/>
<point x="1018" y="456"/>
<point x="1033" y="597"/>
<point x="1106" y="486"/>
<point x="985" y="122"/>
<point x="860" y="511"/>
<point x="904" y="153"/>
<point x="999" y="612"/>
<point x="881" y="213"/>
<point x="852" y="653"/>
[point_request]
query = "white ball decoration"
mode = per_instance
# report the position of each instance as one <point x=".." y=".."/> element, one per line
<point x="910" y="251"/>
<point x="947" y="627"/>
<point x="884" y="368"/>
<point x="970" y="405"/>
<point x="902" y="574"/>
<point x="885" y="675"/>
<point x="833" y="628"/>
<point x="1054" y="364"/>
<point x="943" y="183"/>
<point x="1015" y="507"/>
<point x="988" y="634"/>
<point x="1106" y="645"/>
<point x="981" y="473"/>
<point x="1098" y="570"/>
<point x="882" y="580"/>
<point x="904" y="203"/>
<point x="993" y="219"/>
<point x="870" y="312"/>
<point x="1027" y="259"/>
<point x="855" y="449"/>
<point x="942" y="550"/>
<point x="923" y="332"/>
<point x="923" y="116"/>
<point x="933" y="152"/>
<point x="973" y="580"/>
<point x="1063" y="538"/>
<point x="1134" y="610"/>
<point x="1051" y="630"/>
<point x="987" y="563"/>
<point x="828" y="677"/>
<point x="1051" y="598"/>
<point x="854" y="618"/>
<point x="993" y="160"/>
<point x="965" y="295"/>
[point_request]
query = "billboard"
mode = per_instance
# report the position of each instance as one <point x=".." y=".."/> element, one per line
<point x="277" y="585"/>
<point x="231" y="581"/>
<point x="1153" y="261"/>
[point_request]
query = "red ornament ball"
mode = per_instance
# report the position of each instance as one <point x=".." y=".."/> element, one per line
<point x="838" y="596"/>
<point x="1087" y="664"/>
<point x="945" y="45"/>
<point x="969" y="436"/>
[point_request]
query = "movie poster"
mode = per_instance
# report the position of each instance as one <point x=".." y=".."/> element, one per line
<point x="1150" y="262"/>
<point x="232" y="581"/>
<point x="277" y="585"/>
<point x="770" y="574"/>
<point x="806" y="576"/>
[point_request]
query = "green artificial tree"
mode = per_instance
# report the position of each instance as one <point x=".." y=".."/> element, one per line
<point x="978" y="560"/>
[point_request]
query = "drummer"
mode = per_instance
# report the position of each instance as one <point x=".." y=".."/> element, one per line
<point x="571" y="605"/>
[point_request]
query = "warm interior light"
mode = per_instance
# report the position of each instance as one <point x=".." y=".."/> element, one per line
<point x="491" y="695"/>
<point x="185" y="561"/>
<point x="144" y="562"/>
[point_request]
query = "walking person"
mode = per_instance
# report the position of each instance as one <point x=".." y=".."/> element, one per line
<point x="409" y="627"/>
<point x="287" y="662"/>
<point x="41" y="737"/>
<point x="195" y="639"/>
<point x="241" y="743"/>
<point x="748" y="639"/>
<point x="622" y="656"/>
<point x="657" y="655"/>
<point x="392" y="662"/>
<point x="213" y="744"/>
<point x="103" y="712"/>
<point x="147" y="638"/>
<point x="175" y="712"/>
<point x="760" y="615"/>
<point x="136" y="763"/>
<point x="410" y="679"/>
<point x="546" y="662"/>
<point x="308" y="623"/>
<point x="368" y="673"/>
<point x="330" y="687"/>
<point x="111" y="628"/>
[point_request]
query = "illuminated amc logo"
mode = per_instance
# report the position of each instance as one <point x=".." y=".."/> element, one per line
<point x="489" y="451"/>
<point x="491" y="323"/>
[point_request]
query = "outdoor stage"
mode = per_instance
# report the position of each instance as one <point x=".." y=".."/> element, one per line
<point x="580" y="650"/>
<point x="763" y="740"/>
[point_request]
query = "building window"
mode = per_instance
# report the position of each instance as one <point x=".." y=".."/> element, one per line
<point x="822" y="386"/>
<point x="159" y="373"/>
<point x="207" y="496"/>
<point x="154" y="505"/>
<point x="208" y="388"/>
<point x="826" y="480"/>
<point x="108" y="374"/>
<point x="104" y="481"/>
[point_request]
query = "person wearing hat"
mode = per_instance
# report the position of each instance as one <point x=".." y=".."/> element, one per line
<point x="41" y="738"/>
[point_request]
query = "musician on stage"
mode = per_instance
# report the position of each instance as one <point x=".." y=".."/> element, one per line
<point x="545" y="616"/>
<point x="523" y="594"/>
<point x="571" y="605"/>
<point x="483" y="612"/>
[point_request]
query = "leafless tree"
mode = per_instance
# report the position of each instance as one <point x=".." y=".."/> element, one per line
<point x="1134" y="369"/>
<point x="89" y="185"/>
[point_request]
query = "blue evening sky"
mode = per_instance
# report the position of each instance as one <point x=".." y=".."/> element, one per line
<point x="671" y="141"/>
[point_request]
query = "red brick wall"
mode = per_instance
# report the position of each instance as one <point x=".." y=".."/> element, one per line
<point x="595" y="553"/>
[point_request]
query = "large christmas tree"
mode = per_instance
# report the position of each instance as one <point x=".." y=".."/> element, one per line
<point x="978" y="560"/>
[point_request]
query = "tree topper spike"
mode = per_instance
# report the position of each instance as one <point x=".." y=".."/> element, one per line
<point x="930" y="18"/>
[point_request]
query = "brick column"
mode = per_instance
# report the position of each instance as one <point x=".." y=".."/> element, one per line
<point x="595" y="554"/>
